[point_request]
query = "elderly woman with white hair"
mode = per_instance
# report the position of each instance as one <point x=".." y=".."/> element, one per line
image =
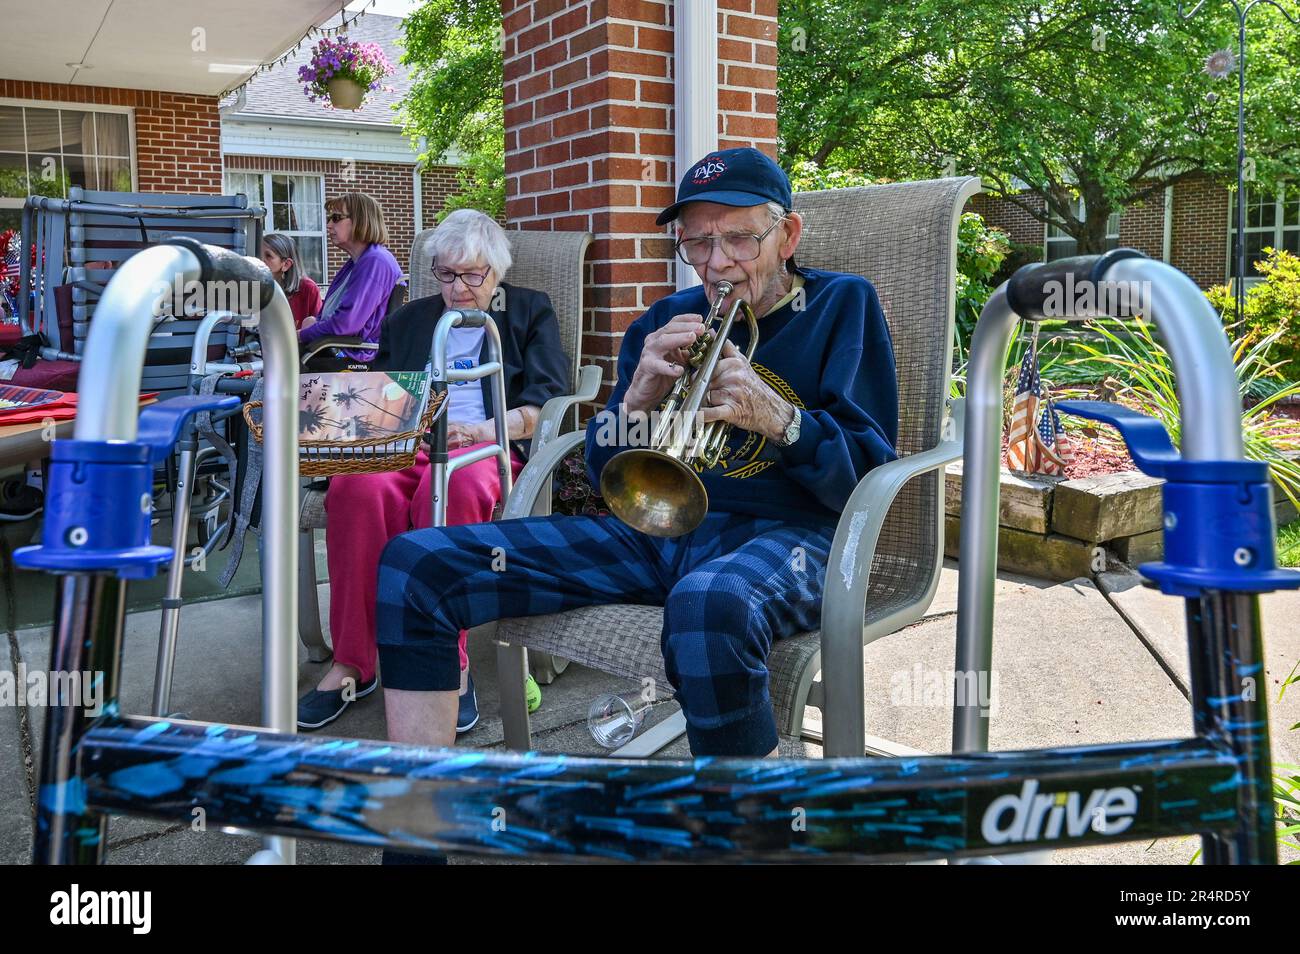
<point x="470" y="258"/>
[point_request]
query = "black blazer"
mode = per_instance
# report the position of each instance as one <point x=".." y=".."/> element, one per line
<point x="528" y="327"/>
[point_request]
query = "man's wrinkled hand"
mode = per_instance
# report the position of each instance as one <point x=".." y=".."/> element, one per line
<point x="663" y="361"/>
<point x="737" y="395"/>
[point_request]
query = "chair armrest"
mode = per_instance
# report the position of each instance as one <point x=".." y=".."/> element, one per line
<point x="536" y="475"/>
<point x="338" y="341"/>
<point x="552" y="416"/>
<point x="848" y="573"/>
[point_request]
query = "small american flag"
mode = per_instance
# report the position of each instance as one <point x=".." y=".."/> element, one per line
<point x="1036" y="441"/>
<point x="9" y="272"/>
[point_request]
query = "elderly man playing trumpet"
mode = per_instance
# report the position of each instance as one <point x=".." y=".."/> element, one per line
<point x="810" y="415"/>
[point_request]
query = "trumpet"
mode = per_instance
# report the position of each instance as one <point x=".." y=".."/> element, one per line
<point x="655" y="489"/>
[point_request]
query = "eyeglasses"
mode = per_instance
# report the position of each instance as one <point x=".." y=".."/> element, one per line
<point x="337" y="217"/>
<point x="743" y="247"/>
<point x="473" y="279"/>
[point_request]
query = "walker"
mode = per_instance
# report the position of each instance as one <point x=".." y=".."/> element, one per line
<point x="1219" y="555"/>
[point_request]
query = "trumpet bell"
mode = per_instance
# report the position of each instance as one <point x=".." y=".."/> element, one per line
<point x="654" y="493"/>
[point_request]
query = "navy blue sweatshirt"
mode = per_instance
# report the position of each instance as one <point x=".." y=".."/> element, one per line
<point x="828" y="353"/>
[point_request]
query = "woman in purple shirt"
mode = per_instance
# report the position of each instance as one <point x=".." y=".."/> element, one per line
<point x="358" y="295"/>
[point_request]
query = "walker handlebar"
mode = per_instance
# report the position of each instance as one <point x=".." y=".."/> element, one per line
<point x="1033" y="288"/>
<point x="223" y="265"/>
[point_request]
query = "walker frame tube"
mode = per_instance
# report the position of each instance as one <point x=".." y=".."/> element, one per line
<point x="187" y="466"/>
<point x="90" y="607"/>
<point x="1194" y="337"/>
<point x="543" y="805"/>
<point x="443" y="464"/>
<point x="528" y="804"/>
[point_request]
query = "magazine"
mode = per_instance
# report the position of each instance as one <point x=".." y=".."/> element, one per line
<point x="361" y="405"/>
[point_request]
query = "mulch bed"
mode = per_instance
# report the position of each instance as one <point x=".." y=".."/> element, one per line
<point x="1100" y="454"/>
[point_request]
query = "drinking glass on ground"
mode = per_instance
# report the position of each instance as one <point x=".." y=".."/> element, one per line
<point x="615" y="718"/>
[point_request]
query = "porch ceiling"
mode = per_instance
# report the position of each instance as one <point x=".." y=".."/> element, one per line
<point x="150" y="44"/>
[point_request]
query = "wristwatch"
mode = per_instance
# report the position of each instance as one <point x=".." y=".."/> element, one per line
<point x="791" y="433"/>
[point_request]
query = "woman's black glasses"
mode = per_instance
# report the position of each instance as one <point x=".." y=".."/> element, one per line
<point x="447" y="276"/>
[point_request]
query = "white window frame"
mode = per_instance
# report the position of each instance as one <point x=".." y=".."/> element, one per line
<point x="10" y="202"/>
<point x="269" y="224"/>
<point x="1278" y="227"/>
<point x="1080" y="212"/>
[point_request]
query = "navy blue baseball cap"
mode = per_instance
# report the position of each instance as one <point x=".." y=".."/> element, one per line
<point x="740" y="177"/>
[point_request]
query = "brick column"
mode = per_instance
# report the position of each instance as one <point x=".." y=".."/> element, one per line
<point x="589" y="144"/>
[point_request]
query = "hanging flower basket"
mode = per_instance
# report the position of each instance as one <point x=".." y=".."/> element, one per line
<point x="341" y="72"/>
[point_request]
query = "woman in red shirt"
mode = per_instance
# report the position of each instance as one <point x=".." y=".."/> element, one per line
<point x="281" y="257"/>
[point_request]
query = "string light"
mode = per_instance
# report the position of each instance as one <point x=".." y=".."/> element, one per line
<point x="316" y="30"/>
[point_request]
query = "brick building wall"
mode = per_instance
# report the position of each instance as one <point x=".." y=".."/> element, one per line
<point x="177" y="135"/>
<point x="178" y="149"/>
<point x="439" y="183"/>
<point x="1142" y="226"/>
<point x="589" y="136"/>
<point x="1199" y="233"/>
<point x="1023" y="228"/>
<point x="389" y="183"/>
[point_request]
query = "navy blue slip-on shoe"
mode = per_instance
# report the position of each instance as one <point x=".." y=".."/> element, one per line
<point x="467" y="718"/>
<point x="320" y="707"/>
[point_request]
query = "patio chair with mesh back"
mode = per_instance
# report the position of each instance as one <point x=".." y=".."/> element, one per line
<point x="549" y="262"/>
<point x="888" y="549"/>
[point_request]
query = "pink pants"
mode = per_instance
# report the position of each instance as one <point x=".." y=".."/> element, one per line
<point x="366" y="511"/>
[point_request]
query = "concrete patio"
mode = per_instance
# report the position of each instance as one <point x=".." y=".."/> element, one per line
<point x="1077" y="662"/>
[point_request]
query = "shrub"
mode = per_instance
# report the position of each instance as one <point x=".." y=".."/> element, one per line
<point x="980" y="252"/>
<point x="1272" y="308"/>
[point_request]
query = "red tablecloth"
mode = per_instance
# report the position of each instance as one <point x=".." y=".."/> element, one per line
<point x="64" y="409"/>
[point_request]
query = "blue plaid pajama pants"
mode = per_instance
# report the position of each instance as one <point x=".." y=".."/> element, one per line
<point x="729" y="589"/>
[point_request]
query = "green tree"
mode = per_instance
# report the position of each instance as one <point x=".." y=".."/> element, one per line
<point x="454" y="49"/>
<point x="1107" y="100"/>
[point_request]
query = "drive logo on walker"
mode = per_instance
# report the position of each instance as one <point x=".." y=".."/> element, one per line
<point x="1030" y="815"/>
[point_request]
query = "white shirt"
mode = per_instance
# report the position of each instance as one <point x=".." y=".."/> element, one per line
<point x="463" y="348"/>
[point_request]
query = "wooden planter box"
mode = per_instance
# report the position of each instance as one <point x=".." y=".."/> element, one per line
<point x="1060" y="529"/>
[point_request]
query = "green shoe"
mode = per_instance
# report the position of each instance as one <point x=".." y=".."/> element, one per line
<point x="533" y="693"/>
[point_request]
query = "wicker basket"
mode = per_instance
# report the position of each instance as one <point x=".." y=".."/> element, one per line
<point x="369" y="456"/>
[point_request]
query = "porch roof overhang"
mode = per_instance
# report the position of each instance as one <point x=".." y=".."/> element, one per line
<point x="182" y="46"/>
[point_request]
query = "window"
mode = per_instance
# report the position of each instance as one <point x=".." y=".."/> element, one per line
<point x="295" y="206"/>
<point x="45" y="150"/>
<point x="1272" y="221"/>
<point x="1059" y="244"/>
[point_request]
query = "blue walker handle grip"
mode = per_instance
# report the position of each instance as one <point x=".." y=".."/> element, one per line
<point x="99" y="496"/>
<point x="1218" y="514"/>
<point x="161" y="424"/>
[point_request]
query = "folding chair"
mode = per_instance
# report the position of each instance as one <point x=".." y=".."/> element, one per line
<point x="888" y="549"/>
<point x="110" y="227"/>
